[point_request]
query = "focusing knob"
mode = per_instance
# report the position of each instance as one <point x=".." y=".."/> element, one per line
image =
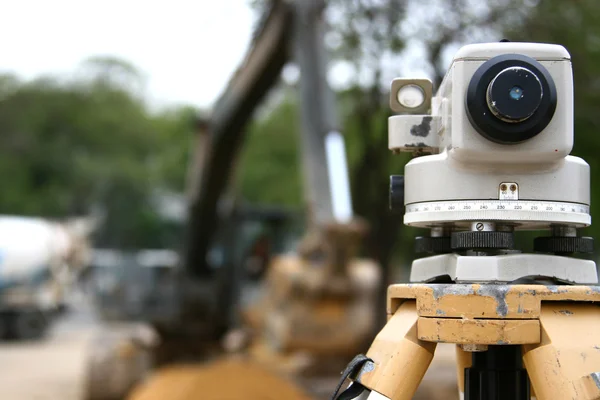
<point x="559" y="244"/>
<point x="435" y="245"/>
<point x="482" y="240"/>
<point x="396" y="192"/>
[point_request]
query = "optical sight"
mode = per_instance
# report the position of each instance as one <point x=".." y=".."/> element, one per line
<point x="511" y="98"/>
<point x="492" y="149"/>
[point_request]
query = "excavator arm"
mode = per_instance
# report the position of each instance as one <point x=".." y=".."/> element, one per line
<point x="224" y="131"/>
<point x="318" y="303"/>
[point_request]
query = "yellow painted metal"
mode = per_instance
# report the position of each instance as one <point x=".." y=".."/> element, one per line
<point x="558" y="327"/>
<point x="400" y="358"/>
<point x="485" y="301"/>
<point x="589" y="387"/>
<point x="478" y="331"/>
<point x="560" y="366"/>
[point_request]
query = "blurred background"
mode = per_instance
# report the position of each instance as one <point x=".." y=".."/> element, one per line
<point x="156" y="176"/>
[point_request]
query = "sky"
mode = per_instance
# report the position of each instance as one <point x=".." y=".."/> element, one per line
<point x="186" y="49"/>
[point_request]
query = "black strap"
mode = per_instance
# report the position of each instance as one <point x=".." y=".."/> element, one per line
<point x="352" y="392"/>
<point x="356" y="388"/>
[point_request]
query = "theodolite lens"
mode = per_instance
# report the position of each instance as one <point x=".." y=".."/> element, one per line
<point x="514" y="94"/>
<point x="511" y="98"/>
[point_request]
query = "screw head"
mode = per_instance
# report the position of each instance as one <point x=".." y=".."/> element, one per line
<point x="479" y="226"/>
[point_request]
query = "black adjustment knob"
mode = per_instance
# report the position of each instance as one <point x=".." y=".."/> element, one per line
<point x="482" y="240"/>
<point x="396" y="192"/>
<point x="563" y="244"/>
<point x="436" y="245"/>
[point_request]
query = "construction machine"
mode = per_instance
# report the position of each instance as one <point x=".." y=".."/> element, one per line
<point x="294" y="329"/>
<point x="286" y="336"/>
<point x="39" y="260"/>
<point x="314" y="296"/>
<point x="148" y="322"/>
<point x="208" y="276"/>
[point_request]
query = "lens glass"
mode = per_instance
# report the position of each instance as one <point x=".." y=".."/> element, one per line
<point x="411" y="96"/>
<point x="514" y="94"/>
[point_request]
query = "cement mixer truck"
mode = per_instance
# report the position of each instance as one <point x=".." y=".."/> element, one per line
<point x="39" y="259"/>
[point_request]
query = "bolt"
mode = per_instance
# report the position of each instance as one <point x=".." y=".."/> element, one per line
<point x="482" y="226"/>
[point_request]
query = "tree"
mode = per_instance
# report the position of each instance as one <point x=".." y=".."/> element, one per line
<point x="270" y="167"/>
<point x="68" y="147"/>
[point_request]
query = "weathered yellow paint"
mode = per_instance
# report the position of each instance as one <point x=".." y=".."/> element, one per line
<point x="400" y="358"/>
<point x="485" y="301"/>
<point x="589" y="387"/>
<point x="558" y="327"/>
<point x="478" y="331"/>
<point x="559" y="367"/>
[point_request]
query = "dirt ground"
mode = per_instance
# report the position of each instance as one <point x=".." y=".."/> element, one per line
<point x="54" y="368"/>
<point x="50" y="369"/>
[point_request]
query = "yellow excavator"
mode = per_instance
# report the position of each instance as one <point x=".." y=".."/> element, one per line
<point x="317" y="306"/>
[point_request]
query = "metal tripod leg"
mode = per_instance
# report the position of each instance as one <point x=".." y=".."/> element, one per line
<point x="400" y="359"/>
<point x="566" y="363"/>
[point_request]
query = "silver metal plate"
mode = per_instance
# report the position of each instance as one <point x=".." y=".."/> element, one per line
<point x="504" y="268"/>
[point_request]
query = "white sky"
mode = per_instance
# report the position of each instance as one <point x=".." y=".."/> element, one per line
<point x="187" y="49"/>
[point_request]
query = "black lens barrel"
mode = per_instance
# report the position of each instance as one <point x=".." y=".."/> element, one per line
<point x="515" y="94"/>
<point x="511" y="98"/>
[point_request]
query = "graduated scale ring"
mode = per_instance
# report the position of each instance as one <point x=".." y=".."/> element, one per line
<point x="525" y="214"/>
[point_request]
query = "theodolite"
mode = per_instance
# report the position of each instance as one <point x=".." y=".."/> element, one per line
<point x="492" y="157"/>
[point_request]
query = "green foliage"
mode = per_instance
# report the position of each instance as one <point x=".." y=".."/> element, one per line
<point x="364" y="32"/>
<point x="270" y="167"/>
<point x="172" y="156"/>
<point x="70" y="146"/>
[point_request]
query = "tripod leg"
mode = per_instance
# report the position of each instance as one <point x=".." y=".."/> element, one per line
<point x="400" y="358"/>
<point x="566" y="363"/>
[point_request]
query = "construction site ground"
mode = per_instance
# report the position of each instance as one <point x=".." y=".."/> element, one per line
<point x="54" y="368"/>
